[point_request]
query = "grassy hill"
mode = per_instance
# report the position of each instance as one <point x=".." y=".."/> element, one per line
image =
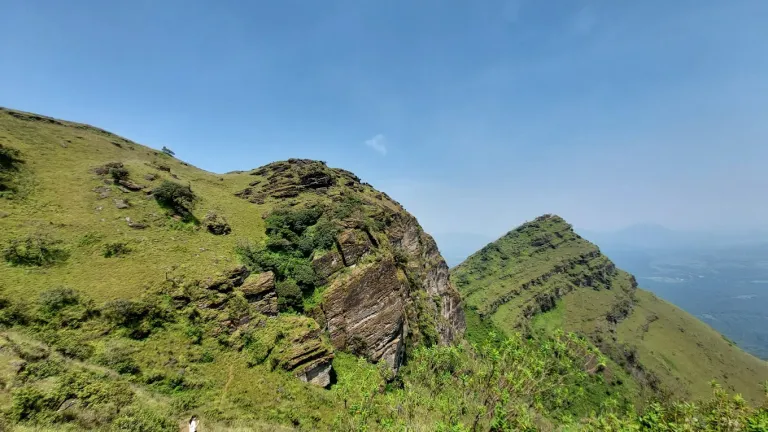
<point x="543" y="276"/>
<point x="137" y="290"/>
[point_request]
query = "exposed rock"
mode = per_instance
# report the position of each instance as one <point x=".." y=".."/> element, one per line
<point x="365" y="313"/>
<point x="103" y="191"/>
<point x="121" y="204"/>
<point x="135" y="225"/>
<point x="131" y="186"/>
<point x="231" y="279"/>
<point x="327" y="264"/>
<point x="124" y="189"/>
<point x="216" y="224"/>
<point x="316" y="179"/>
<point x="319" y="375"/>
<point x="104" y="169"/>
<point x="260" y="292"/>
<point x="307" y="356"/>
<point x="150" y="177"/>
<point x="353" y="245"/>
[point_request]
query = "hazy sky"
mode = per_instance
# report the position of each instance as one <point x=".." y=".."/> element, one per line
<point x="476" y="115"/>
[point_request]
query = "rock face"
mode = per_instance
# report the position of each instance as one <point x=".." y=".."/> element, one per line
<point x="260" y="292"/>
<point x="385" y="287"/>
<point x="365" y="313"/>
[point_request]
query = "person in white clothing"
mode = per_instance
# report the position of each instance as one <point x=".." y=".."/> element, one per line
<point x="193" y="424"/>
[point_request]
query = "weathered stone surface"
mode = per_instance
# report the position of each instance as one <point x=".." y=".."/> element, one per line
<point x="131" y="186"/>
<point x="150" y="177"/>
<point x="259" y="290"/>
<point x="319" y="375"/>
<point x="353" y="244"/>
<point x="121" y="204"/>
<point x="425" y="260"/>
<point x="232" y="278"/>
<point x="365" y="313"/>
<point x="327" y="265"/>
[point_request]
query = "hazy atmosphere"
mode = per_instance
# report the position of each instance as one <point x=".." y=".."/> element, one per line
<point x="476" y="116"/>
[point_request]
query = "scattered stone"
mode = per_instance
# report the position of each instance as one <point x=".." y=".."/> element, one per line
<point x="174" y="176"/>
<point x="216" y="224"/>
<point x="135" y="225"/>
<point x="150" y="177"/>
<point x="104" y="169"/>
<point x="131" y="186"/>
<point x="123" y="189"/>
<point x="4" y="214"/>
<point x="254" y="183"/>
<point x="121" y="204"/>
<point x="99" y="208"/>
<point x="63" y="144"/>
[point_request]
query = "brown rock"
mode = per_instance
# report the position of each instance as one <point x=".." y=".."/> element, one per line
<point x="327" y="265"/>
<point x="150" y="177"/>
<point x="365" y="313"/>
<point x="353" y="244"/>
<point x="121" y="204"/>
<point x="131" y="186"/>
<point x="260" y="292"/>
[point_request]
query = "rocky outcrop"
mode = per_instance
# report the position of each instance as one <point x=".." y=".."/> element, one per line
<point x="365" y="313"/>
<point x="260" y="292"/>
<point x="216" y="224"/>
<point x="385" y="286"/>
<point x="353" y="244"/>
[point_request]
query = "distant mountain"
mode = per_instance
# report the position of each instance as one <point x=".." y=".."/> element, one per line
<point x="543" y="276"/>
<point x="654" y="236"/>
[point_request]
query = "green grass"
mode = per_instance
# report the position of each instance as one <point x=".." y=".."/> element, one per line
<point x="513" y="281"/>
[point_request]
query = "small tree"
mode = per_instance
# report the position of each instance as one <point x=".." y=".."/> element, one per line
<point x="168" y="151"/>
<point x="177" y="197"/>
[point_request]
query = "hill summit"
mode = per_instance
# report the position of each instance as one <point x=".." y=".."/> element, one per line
<point x="543" y="276"/>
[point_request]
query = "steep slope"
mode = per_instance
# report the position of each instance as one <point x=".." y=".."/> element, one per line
<point x="542" y="276"/>
<point x="218" y="288"/>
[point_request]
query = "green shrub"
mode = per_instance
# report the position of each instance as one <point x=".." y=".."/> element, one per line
<point x="10" y="159"/>
<point x="12" y="313"/>
<point x="116" y="249"/>
<point x="137" y="318"/>
<point x="289" y="297"/>
<point x="119" y="173"/>
<point x="142" y="420"/>
<point x="53" y="300"/>
<point x="174" y="196"/>
<point x="117" y="355"/>
<point x="27" y="402"/>
<point x="35" y="250"/>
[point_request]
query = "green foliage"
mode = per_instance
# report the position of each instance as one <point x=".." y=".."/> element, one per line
<point x="10" y="160"/>
<point x="119" y="173"/>
<point x="35" y="250"/>
<point x="137" y="319"/>
<point x="63" y="307"/>
<point x="176" y="197"/>
<point x="289" y="297"/>
<point x="118" y="355"/>
<point x="116" y="249"/>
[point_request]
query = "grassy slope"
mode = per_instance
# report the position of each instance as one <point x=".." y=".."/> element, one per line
<point x="679" y="349"/>
<point x="60" y="201"/>
<point x="57" y="199"/>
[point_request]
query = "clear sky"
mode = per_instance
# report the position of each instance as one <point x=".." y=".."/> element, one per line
<point x="476" y="115"/>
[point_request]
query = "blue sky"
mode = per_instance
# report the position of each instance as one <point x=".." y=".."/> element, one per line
<point x="476" y="115"/>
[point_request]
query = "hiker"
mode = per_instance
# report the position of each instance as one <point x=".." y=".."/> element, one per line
<point x="193" y="424"/>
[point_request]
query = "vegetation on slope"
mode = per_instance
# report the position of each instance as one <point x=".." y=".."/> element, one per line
<point x="123" y="306"/>
<point x="542" y="276"/>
